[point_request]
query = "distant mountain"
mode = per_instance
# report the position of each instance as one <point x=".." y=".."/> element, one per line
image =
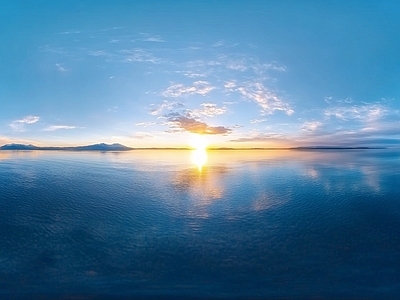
<point x="95" y="147"/>
<point x="18" y="147"/>
<point x="103" y="147"/>
<point x="330" y="148"/>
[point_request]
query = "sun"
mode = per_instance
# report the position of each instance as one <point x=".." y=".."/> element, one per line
<point x="198" y="142"/>
<point x="199" y="154"/>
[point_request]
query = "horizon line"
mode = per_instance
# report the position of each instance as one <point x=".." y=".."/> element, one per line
<point x="111" y="147"/>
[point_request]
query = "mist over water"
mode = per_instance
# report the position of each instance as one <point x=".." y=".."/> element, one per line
<point x="246" y="224"/>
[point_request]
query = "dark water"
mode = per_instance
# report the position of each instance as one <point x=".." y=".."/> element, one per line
<point x="249" y="225"/>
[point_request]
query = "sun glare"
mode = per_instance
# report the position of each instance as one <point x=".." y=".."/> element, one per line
<point x="198" y="142"/>
<point x="199" y="154"/>
<point x="199" y="158"/>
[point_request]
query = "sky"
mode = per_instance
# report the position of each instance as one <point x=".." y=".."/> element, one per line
<point x="238" y="73"/>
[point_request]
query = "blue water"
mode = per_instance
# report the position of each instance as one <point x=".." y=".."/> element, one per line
<point x="248" y="225"/>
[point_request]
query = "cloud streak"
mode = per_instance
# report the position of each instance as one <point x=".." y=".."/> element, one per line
<point x="367" y="112"/>
<point x="312" y="134"/>
<point x="58" y="127"/>
<point x="180" y="90"/>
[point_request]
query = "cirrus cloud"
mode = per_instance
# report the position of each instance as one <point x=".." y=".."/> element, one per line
<point x="208" y="110"/>
<point x="19" y="125"/>
<point x="180" y="90"/>
<point x="58" y="127"/>
<point x="267" y="100"/>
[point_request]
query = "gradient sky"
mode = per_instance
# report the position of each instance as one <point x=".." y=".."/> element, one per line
<point x="243" y="73"/>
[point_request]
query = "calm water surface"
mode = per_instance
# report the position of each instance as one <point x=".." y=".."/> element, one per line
<point x="247" y="224"/>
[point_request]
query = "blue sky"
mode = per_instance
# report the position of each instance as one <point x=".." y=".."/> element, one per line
<point x="241" y="73"/>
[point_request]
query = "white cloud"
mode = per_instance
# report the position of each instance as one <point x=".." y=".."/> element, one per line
<point x="229" y="85"/>
<point x="237" y="65"/>
<point x="58" y="127"/>
<point x="255" y="121"/>
<point x="141" y="135"/>
<point x="219" y="44"/>
<point x="209" y="110"/>
<point x="193" y="74"/>
<point x="98" y="53"/>
<point x="71" y="32"/>
<point x="146" y="37"/>
<point x="311" y="126"/>
<point x="366" y="112"/>
<point x="139" y="55"/>
<point x="18" y="125"/>
<point x="29" y="120"/>
<point x="265" y="98"/>
<point x="274" y="66"/>
<point x="61" y="68"/>
<point x="153" y="39"/>
<point x="166" y="105"/>
<point x="179" y="90"/>
<point x="145" y="124"/>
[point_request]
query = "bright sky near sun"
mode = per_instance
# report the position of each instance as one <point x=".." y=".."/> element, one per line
<point x="242" y="73"/>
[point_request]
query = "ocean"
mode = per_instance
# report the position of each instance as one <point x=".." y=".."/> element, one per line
<point x="287" y="224"/>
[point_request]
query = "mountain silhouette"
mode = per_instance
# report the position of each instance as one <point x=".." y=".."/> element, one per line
<point x="94" y="147"/>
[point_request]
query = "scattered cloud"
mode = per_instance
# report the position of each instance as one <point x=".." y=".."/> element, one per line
<point x="180" y="122"/>
<point x="193" y="73"/>
<point x="28" y="120"/>
<point x="255" y="121"/>
<point x="311" y="126"/>
<point x="208" y="110"/>
<point x="180" y="90"/>
<point x="165" y="105"/>
<point x="139" y="55"/>
<point x="145" y="124"/>
<point x="237" y="65"/>
<point x="219" y="44"/>
<point x="265" y="98"/>
<point x="61" y="68"/>
<point x="269" y="139"/>
<point x="230" y="85"/>
<point x="154" y="39"/>
<point x="313" y="134"/>
<point x="71" y="32"/>
<point x="146" y="37"/>
<point x="58" y="127"/>
<point x="233" y="77"/>
<point x="98" y="53"/>
<point x="274" y="66"/>
<point x="19" y="125"/>
<point x="112" y="109"/>
<point x="141" y="135"/>
<point x="54" y="50"/>
<point x="367" y="112"/>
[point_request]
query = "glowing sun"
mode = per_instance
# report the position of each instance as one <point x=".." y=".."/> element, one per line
<point x="199" y="154"/>
<point x="198" y="142"/>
